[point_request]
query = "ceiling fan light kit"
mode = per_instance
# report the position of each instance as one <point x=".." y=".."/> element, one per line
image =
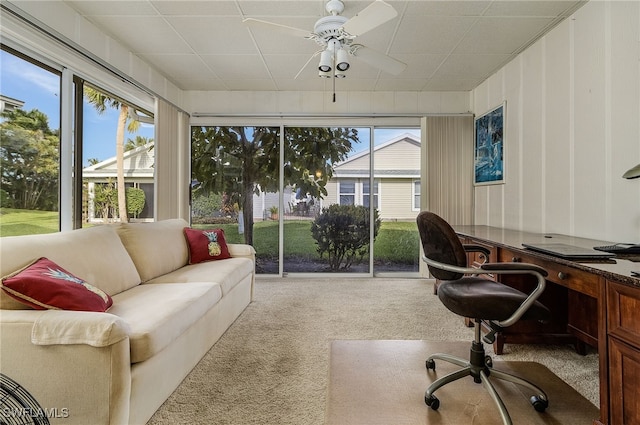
<point x="336" y="34"/>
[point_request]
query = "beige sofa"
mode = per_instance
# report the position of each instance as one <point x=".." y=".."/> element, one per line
<point x="118" y="367"/>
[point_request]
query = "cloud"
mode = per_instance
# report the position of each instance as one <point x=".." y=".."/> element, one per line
<point x="18" y="71"/>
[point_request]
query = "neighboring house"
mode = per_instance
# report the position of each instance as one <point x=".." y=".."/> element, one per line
<point x="138" y="172"/>
<point x="8" y="104"/>
<point x="396" y="191"/>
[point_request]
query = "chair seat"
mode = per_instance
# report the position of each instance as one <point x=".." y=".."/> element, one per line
<point x="479" y="298"/>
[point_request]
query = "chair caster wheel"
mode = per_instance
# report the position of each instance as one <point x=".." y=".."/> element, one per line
<point x="538" y="403"/>
<point x="431" y="364"/>
<point x="432" y="401"/>
<point x="488" y="361"/>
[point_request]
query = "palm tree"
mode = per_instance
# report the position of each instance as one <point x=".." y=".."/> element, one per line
<point x="101" y="102"/>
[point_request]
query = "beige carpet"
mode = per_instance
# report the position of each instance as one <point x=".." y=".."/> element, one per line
<point x="271" y="366"/>
<point x="382" y="382"/>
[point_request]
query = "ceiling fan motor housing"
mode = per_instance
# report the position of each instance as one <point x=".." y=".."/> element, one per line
<point x="328" y="27"/>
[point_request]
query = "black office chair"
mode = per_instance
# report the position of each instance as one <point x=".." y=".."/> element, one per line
<point x="465" y="291"/>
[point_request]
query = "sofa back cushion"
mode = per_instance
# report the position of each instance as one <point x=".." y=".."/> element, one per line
<point x="94" y="254"/>
<point x="156" y="248"/>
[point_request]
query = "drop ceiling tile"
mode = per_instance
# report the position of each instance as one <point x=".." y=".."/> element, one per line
<point x="237" y="66"/>
<point x="263" y="9"/>
<point x="144" y="35"/>
<point x="251" y="85"/>
<point x="446" y="8"/>
<point x="404" y="84"/>
<point x="420" y="66"/>
<point x="431" y="34"/>
<point x="499" y="35"/>
<point x="196" y="8"/>
<point x="203" y="84"/>
<point x="181" y="67"/>
<point x="451" y="84"/>
<point x="113" y="8"/>
<point x="470" y="66"/>
<point x="548" y="8"/>
<point x="209" y="35"/>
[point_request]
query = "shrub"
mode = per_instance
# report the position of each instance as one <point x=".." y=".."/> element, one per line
<point x="135" y="200"/>
<point x="342" y="232"/>
<point x="206" y="205"/>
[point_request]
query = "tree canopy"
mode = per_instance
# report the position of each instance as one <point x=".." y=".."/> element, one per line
<point x="29" y="159"/>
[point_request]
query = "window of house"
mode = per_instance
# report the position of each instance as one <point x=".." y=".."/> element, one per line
<point x="366" y="195"/>
<point x="416" y="195"/>
<point x="347" y="192"/>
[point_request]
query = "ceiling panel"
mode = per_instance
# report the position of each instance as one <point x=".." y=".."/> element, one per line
<point x="204" y="45"/>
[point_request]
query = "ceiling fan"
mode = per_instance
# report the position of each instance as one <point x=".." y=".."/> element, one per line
<point x="336" y="35"/>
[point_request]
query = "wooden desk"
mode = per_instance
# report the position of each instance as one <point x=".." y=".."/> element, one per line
<point x="597" y="303"/>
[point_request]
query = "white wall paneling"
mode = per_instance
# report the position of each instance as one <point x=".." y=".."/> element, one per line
<point x="572" y="129"/>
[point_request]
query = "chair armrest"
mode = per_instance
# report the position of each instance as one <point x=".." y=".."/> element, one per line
<point x="510" y="267"/>
<point x="476" y="248"/>
<point x="519" y="268"/>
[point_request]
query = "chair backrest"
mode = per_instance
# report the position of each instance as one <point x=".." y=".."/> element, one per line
<point x="441" y="243"/>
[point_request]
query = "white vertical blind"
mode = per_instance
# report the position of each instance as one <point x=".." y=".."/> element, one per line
<point x="172" y="162"/>
<point x="449" y="167"/>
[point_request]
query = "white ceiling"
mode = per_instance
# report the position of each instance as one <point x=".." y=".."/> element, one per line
<point x="448" y="45"/>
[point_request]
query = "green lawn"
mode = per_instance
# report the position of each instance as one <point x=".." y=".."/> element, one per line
<point x="397" y="242"/>
<point x="14" y="222"/>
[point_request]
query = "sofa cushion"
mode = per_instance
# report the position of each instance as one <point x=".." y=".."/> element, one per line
<point x="95" y="253"/>
<point x="206" y="245"/>
<point x="228" y="273"/>
<point x="45" y="285"/>
<point x="158" y="314"/>
<point x="155" y="248"/>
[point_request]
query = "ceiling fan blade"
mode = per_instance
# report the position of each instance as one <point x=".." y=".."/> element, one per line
<point x="307" y="64"/>
<point x="379" y="60"/>
<point x="377" y="13"/>
<point x="283" y="29"/>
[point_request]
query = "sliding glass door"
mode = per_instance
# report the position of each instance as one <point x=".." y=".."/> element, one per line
<point x="306" y="198"/>
<point x="325" y="225"/>
<point x="235" y="186"/>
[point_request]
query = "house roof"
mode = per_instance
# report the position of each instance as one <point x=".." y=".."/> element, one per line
<point x="398" y="157"/>
<point x="138" y="163"/>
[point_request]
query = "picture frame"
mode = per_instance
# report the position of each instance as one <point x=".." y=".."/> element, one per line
<point x="488" y="164"/>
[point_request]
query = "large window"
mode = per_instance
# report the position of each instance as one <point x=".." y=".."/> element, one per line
<point x="97" y="167"/>
<point x="30" y="145"/>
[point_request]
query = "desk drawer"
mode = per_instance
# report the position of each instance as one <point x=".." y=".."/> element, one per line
<point x="570" y="277"/>
<point x="623" y="305"/>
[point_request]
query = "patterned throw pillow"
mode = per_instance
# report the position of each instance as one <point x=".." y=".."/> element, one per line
<point x="45" y="285"/>
<point x="206" y="245"/>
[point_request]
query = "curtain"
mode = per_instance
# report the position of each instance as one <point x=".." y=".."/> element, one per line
<point x="172" y="162"/>
<point x="449" y="167"/>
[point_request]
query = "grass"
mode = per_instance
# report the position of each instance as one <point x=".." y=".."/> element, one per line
<point x="15" y="222"/>
<point x="397" y="242"/>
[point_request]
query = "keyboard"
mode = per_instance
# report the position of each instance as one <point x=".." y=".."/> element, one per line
<point x="620" y="248"/>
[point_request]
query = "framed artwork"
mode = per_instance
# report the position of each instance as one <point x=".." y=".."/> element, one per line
<point x="489" y="147"/>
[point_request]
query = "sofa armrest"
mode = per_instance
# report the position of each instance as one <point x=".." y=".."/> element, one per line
<point x="81" y="383"/>
<point x="59" y="327"/>
<point x="241" y="250"/>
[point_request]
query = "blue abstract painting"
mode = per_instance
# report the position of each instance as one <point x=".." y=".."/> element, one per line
<point x="489" y="147"/>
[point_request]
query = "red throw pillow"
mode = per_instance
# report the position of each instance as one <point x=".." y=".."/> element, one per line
<point x="206" y="245"/>
<point x="45" y="285"/>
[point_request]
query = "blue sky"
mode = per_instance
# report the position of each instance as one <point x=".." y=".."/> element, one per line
<point x="40" y="89"/>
